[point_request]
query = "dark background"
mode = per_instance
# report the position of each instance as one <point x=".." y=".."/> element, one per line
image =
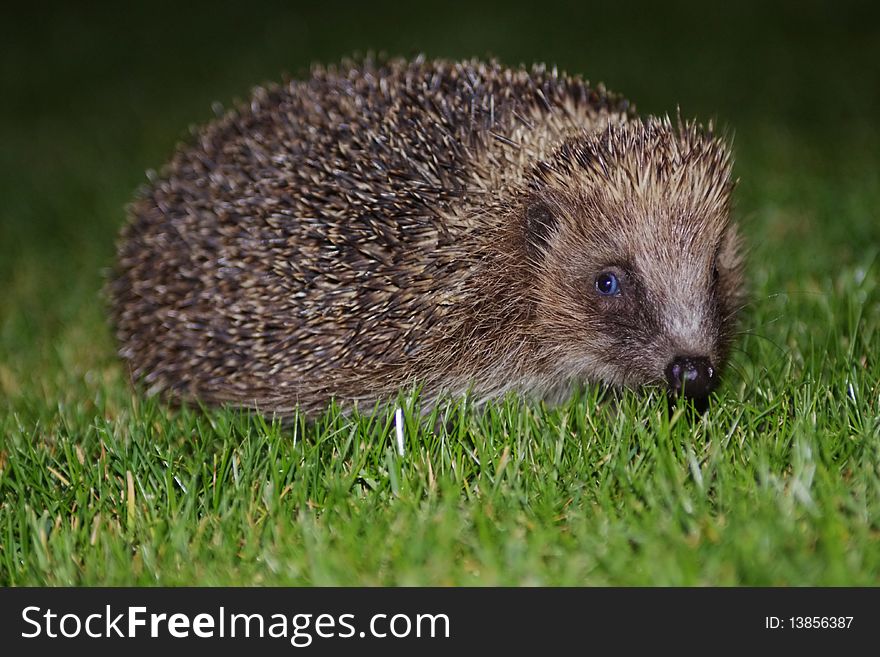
<point x="95" y="94"/>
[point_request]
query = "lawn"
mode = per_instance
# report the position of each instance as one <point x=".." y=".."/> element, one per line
<point x="777" y="484"/>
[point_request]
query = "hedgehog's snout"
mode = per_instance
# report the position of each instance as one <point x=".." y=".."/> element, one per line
<point x="691" y="376"/>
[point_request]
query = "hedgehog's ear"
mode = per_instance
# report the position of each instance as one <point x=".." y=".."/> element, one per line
<point x="539" y="225"/>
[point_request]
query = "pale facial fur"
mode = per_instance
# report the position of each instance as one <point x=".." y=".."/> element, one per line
<point x="649" y="205"/>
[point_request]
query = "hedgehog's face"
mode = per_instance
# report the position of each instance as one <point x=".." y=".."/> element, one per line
<point x="637" y="270"/>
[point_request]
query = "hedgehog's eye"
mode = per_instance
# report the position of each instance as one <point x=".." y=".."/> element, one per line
<point x="607" y="284"/>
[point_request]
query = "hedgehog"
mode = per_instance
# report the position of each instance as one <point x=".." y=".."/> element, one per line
<point x="459" y="227"/>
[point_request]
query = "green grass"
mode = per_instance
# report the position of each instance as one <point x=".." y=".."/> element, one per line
<point x="778" y="484"/>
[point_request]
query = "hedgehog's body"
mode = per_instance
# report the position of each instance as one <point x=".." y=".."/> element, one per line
<point x="426" y="223"/>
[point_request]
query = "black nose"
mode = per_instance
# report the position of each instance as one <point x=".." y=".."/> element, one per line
<point x="693" y="376"/>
